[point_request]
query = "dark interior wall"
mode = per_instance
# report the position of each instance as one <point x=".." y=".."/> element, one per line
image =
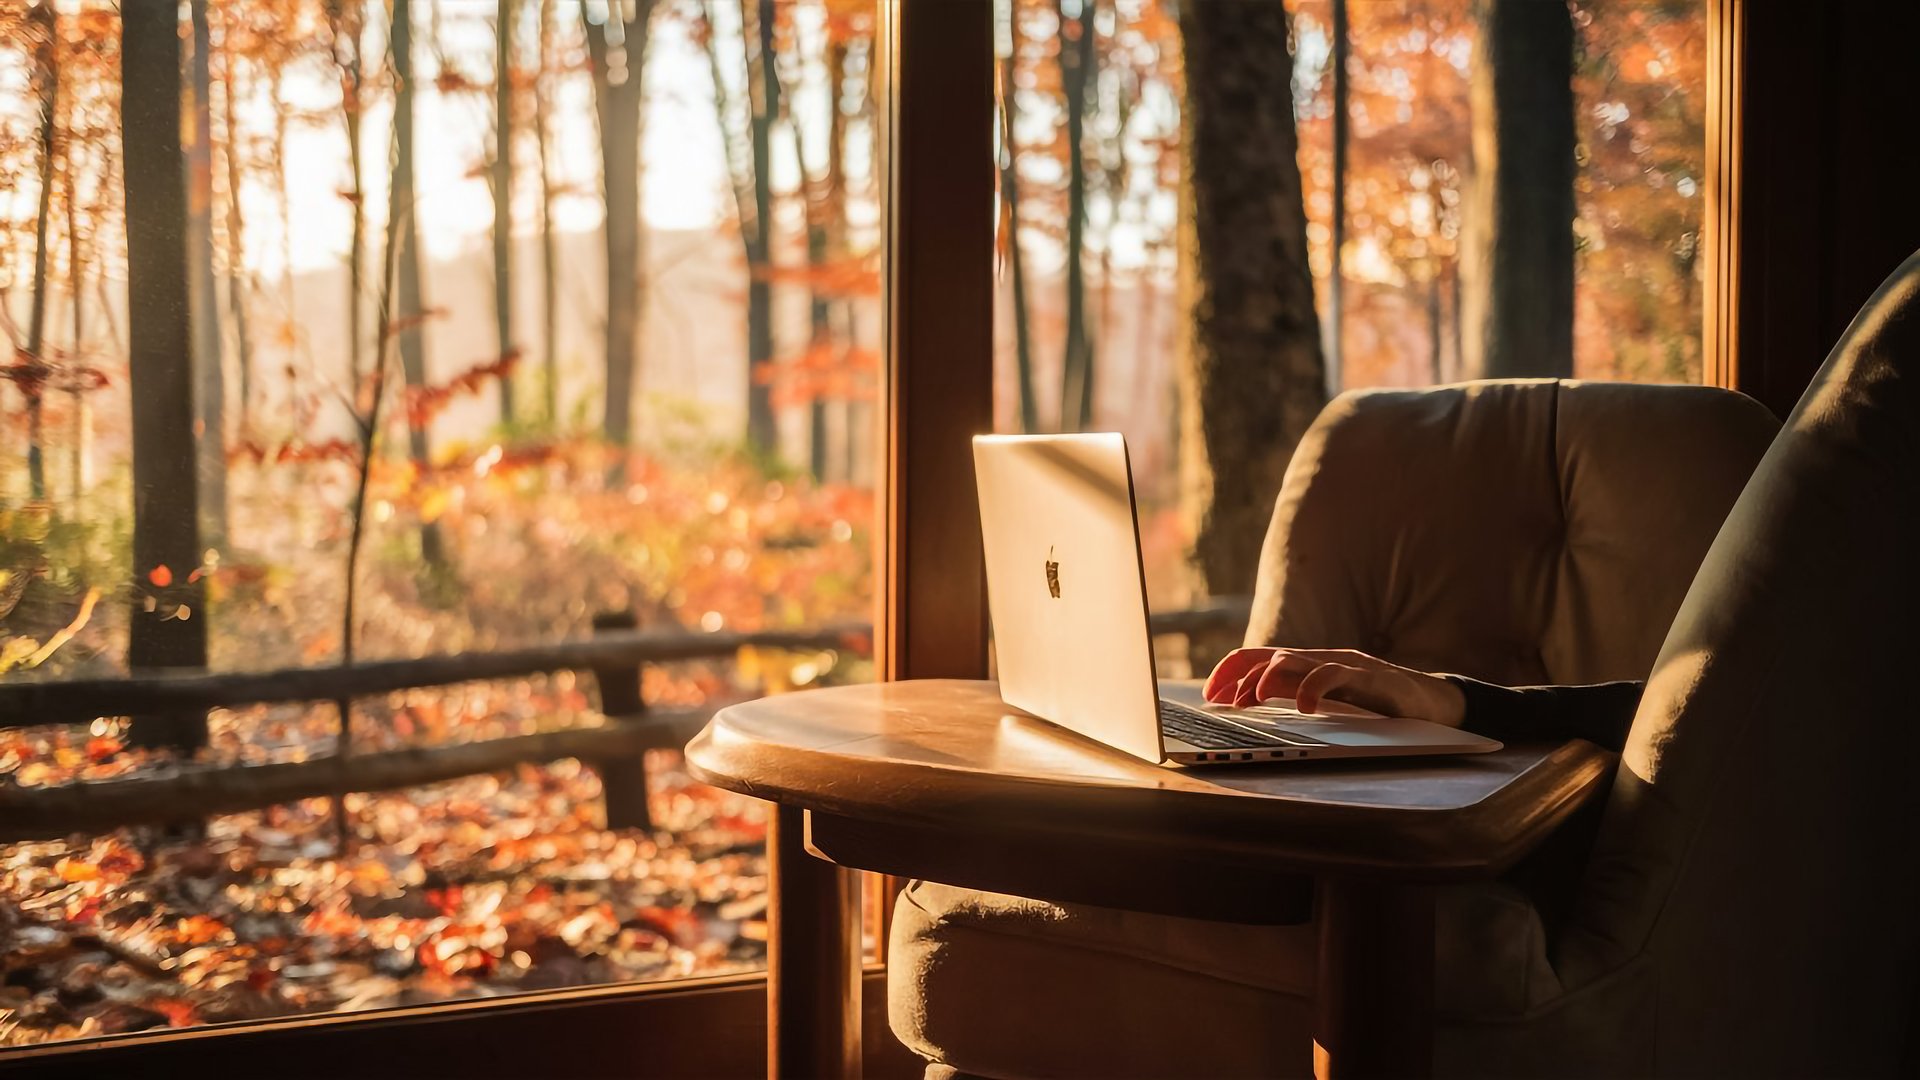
<point x="1829" y="178"/>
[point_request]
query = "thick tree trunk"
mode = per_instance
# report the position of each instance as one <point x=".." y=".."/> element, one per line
<point x="33" y="383"/>
<point x="1251" y="374"/>
<point x="763" y="97"/>
<point x="1076" y="77"/>
<point x="410" y="302"/>
<point x="618" y="54"/>
<point x="1517" y="260"/>
<point x="1016" y="263"/>
<point x="503" y="199"/>
<point x="166" y="533"/>
<point x="210" y="379"/>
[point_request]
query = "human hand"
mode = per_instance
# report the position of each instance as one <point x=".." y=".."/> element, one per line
<point x="1249" y="676"/>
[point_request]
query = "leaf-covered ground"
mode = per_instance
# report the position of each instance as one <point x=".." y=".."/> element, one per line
<point x="475" y="888"/>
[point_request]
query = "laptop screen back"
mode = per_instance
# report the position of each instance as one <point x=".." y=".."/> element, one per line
<point x="1064" y="585"/>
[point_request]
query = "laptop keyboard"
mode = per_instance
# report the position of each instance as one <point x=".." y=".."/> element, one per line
<point x="1210" y="732"/>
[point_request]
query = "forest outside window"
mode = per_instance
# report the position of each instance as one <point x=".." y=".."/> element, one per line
<point x="498" y="326"/>
<point x="1441" y="190"/>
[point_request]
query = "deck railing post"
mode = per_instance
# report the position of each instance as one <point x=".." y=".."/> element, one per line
<point x="624" y="779"/>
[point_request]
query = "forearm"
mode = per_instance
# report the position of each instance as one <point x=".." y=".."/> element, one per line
<point x="1601" y="713"/>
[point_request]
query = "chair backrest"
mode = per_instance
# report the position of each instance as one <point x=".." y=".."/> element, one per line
<point x="1520" y="531"/>
<point x="1760" y="846"/>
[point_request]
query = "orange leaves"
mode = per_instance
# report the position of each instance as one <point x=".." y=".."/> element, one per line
<point x="293" y="452"/>
<point x="72" y="870"/>
<point x="424" y="402"/>
<point x="451" y="80"/>
<point x="28" y="372"/>
<point x="200" y="930"/>
<point x="857" y="275"/>
<point x="178" y="1013"/>
<point x="824" y="372"/>
<point x="56" y="369"/>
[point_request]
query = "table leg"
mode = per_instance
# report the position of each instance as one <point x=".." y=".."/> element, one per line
<point x="813" y="959"/>
<point x="1373" y="996"/>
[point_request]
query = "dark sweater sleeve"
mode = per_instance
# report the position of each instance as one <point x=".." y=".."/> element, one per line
<point x="1600" y="713"/>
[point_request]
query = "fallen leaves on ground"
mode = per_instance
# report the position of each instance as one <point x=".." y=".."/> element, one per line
<point x="484" y="886"/>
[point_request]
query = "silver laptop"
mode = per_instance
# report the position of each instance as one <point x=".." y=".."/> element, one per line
<point x="1068" y="598"/>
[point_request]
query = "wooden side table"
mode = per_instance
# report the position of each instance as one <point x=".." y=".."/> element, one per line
<point x="939" y="779"/>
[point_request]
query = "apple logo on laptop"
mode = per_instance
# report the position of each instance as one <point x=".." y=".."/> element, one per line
<point x="1053" y="576"/>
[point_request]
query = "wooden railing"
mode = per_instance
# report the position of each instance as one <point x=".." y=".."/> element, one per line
<point x="616" y="749"/>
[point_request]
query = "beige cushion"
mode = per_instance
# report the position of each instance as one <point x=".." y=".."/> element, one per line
<point x="999" y="986"/>
<point x="972" y="974"/>
<point x="1520" y="531"/>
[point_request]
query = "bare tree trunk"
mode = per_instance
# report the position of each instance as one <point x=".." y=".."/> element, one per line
<point x="33" y="383"/>
<point x="1455" y="322"/>
<point x="210" y="378"/>
<point x="502" y="175"/>
<point x="617" y="49"/>
<point x="1336" y="275"/>
<point x="346" y="27"/>
<point x="856" y="415"/>
<point x="1016" y="262"/>
<point x="549" y="253"/>
<point x="1251" y="374"/>
<point x="77" y="389"/>
<point x="288" y="320"/>
<point x="410" y="307"/>
<point x="1518" y="242"/>
<point x="752" y="201"/>
<point x="166" y="533"/>
<point x="237" y="277"/>
<point x="826" y="215"/>
<point x="367" y="416"/>
<point x="1435" y="331"/>
<point x="1076" y="77"/>
<point x="763" y="99"/>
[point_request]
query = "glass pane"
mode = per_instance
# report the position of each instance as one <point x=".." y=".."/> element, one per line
<point x="654" y="405"/>
<point x="1099" y="296"/>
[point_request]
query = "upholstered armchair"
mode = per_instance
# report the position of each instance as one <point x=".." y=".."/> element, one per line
<point x="1523" y="532"/>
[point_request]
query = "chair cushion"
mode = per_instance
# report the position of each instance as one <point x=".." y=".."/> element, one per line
<point x="1519" y="531"/>
<point x="1003" y="986"/>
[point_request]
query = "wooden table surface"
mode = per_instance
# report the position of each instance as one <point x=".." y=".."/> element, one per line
<point x="940" y="779"/>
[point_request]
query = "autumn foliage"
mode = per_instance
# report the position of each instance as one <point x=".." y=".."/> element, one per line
<point x="494" y="531"/>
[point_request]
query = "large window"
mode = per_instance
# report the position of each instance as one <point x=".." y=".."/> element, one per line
<point x="506" y="321"/>
<point x="1417" y="247"/>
